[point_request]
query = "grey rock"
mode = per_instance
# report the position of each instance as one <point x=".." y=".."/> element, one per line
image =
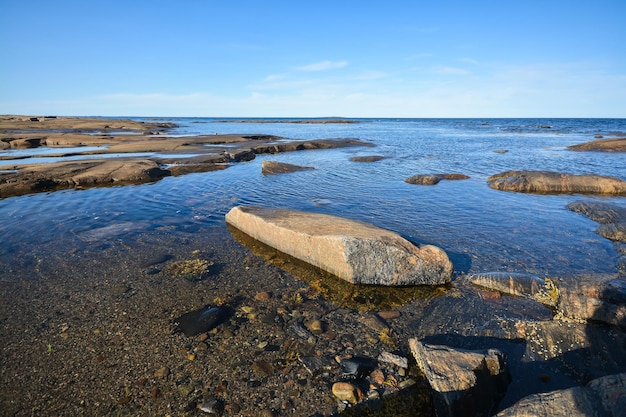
<point x="357" y="252"/>
<point x="464" y="382"/>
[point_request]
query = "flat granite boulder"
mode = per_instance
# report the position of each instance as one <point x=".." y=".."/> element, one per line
<point x="357" y="252"/>
<point x="547" y="182"/>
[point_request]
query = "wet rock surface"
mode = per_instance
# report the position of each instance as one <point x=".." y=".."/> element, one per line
<point x="354" y="251"/>
<point x="547" y="182"/>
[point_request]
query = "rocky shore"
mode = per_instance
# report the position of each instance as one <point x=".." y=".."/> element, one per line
<point x="125" y="320"/>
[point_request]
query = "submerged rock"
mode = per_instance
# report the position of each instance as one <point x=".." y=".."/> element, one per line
<point x="357" y="252"/>
<point x="369" y="158"/>
<point x="464" y="382"/>
<point x="518" y="284"/>
<point x="547" y="182"/>
<point x="200" y="321"/>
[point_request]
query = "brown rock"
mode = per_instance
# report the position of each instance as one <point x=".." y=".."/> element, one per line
<point x="546" y="182"/>
<point x="423" y="179"/>
<point x="369" y="158"/>
<point x="345" y="391"/>
<point x="357" y="252"/>
<point x="273" y="167"/>
<point x="603" y="145"/>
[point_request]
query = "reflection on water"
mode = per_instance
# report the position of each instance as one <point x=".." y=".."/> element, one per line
<point x="341" y="293"/>
<point x="480" y="228"/>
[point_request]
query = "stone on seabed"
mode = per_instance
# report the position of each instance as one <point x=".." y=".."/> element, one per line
<point x="357" y="252"/>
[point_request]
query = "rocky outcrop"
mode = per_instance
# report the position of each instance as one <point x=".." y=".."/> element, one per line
<point x="547" y="182"/>
<point x="603" y="145"/>
<point x="604" y="396"/>
<point x="432" y="179"/>
<point x="464" y="382"/>
<point x="357" y="252"/>
<point x="518" y="284"/>
<point x="274" y="167"/>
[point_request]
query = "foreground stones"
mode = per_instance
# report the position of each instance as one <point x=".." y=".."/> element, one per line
<point x="354" y="251"/>
<point x="464" y="382"/>
<point x="547" y="182"/>
<point x="519" y="284"/>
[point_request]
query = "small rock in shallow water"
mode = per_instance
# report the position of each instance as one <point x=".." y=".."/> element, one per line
<point x="200" y="321"/>
<point x="215" y="407"/>
<point x="162" y="372"/>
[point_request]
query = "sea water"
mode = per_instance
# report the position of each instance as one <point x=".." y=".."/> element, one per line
<point x="480" y="228"/>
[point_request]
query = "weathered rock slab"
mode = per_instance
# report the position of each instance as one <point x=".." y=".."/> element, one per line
<point x="602" y="145"/>
<point x="547" y="182"/>
<point x="357" y="252"/>
<point x="464" y="382"/>
<point x="604" y="396"/>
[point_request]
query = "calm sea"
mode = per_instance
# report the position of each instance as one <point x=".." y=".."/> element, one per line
<point x="482" y="229"/>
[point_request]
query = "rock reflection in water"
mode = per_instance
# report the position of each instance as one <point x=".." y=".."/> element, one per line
<point x="336" y="290"/>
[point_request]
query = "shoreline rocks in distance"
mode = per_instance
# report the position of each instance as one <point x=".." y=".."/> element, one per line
<point x="357" y="252"/>
<point x="548" y="182"/>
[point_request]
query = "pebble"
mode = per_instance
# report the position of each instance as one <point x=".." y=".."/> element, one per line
<point x="263" y="296"/>
<point x="162" y="372"/>
<point x="345" y="391"/>
<point x="215" y="407"/>
<point x="314" y="326"/>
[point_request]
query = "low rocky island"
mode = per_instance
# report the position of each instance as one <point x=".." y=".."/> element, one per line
<point x="124" y="140"/>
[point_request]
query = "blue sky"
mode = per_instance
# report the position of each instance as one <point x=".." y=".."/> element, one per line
<point x="549" y="58"/>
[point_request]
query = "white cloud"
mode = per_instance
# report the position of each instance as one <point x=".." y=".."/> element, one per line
<point x="451" y="71"/>
<point x="323" y="66"/>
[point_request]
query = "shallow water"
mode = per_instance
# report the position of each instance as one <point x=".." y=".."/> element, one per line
<point x="482" y="229"/>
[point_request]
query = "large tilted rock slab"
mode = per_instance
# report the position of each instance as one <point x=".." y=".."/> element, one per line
<point x="357" y="252"/>
<point x="604" y="396"/>
<point x="547" y="182"/>
<point x="464" y="382"/>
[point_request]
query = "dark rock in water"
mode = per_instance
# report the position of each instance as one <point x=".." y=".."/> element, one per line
<point x="200" y="321"/>
<point x="518" y="284"/>
<point x="423" y="179"/>
<point x="370" y="158"/>
<point x="357" y="367"/>
<point x="600" y="212"/>
<point x="432" y="179"/>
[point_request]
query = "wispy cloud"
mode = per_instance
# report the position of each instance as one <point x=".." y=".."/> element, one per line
<point x="323" y="66"/>
<point x="451" y="71"/>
